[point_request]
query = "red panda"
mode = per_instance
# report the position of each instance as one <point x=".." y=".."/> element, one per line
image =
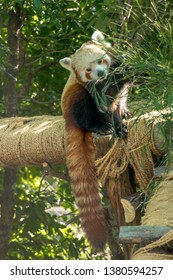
<point x="89" y="64"/>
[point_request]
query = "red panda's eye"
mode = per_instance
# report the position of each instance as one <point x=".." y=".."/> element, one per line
<point x="100" y="61"/>
<point x="88" y="69"/>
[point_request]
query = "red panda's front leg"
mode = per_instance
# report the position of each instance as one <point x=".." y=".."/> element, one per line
<point x="80" y="108"/>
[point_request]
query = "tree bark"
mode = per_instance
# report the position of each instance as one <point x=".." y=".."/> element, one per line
<point x="14" y="29"/>
<point x="7" y="210"/>
<point x="15" y="45"/>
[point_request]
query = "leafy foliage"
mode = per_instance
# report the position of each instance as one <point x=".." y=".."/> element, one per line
<point x="38" y="233"/>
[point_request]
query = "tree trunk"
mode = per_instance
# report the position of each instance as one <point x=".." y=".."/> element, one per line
<point x="7" y="210"/>
<point x="11" y="109"/>
<point x="15" y="46"/>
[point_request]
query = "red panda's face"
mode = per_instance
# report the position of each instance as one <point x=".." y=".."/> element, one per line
<point x="94" y="66"/>
<point x="90" y="62"/>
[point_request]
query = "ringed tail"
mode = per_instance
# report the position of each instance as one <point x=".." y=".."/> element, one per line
<point x="80" y="157"/>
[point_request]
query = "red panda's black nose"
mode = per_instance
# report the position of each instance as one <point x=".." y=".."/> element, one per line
<point x="100" y="73"/>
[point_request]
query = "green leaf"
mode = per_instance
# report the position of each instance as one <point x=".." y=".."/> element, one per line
<point x="37" y="5"/>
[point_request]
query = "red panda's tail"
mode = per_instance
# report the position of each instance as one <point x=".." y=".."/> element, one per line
<point x="80" y="163"/>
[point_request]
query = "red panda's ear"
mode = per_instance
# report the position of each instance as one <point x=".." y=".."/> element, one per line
<point x="66" y="63"/>
<point x="98" y="36"/>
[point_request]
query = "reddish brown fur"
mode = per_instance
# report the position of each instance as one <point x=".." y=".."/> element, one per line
<point x="80" y="162"/>
<point x="104" y="61"/>
<point x="88" y="76"/>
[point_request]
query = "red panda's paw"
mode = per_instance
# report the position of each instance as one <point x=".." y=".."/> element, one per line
<point x="121" y="132"/>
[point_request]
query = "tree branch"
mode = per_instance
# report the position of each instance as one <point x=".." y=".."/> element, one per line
<point x="31" y="74"/>
<point x="35" y="140"/>
<point x="49" y="171"/>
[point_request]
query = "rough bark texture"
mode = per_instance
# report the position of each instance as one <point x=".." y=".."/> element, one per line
<point x="14" y="28"/>
<point x="11" y="109"/>
<point x="7" y="210"/>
